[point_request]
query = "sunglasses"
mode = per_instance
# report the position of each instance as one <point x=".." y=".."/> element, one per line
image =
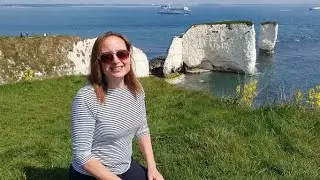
<point x="107" y="57"/>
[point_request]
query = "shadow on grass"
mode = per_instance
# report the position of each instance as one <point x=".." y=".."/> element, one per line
<point x="34" y="173"/>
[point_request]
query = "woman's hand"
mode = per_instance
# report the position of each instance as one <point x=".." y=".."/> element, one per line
<point x="115" y="178"/>
<point x="153" y="174"/>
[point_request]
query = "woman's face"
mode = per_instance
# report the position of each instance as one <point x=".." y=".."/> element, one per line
<point x="115" y="58"/>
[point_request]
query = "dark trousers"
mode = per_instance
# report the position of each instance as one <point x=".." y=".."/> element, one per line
<point x="135" y="172"/>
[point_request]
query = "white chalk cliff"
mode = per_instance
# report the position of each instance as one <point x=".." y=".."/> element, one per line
<point x="140" y="63"/>
<point x="229" y="47"/>
<point x="174" y="59"/>
<point x="81" y="54"/>
<point x="268" y="36"/>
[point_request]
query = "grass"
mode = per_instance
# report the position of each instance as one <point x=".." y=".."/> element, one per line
<point x="269" y="22"/>
<point x="249" y="23"/>
<point x="173" y="75"/>
<point x="227" y="23"/>
<point x="195" y="136"/>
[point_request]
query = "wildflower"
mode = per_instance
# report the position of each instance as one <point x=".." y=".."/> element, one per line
<point x="248" y="94"/>
<point x="28" y="74"/>
<point x="238" y="90"/>
<point x="299" y="96"/>
<point x="31" y="73"/>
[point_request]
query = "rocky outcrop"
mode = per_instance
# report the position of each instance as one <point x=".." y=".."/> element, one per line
<point x="176" y="80"/>
<point x="228" y="46"/>
<point x="268" y="36"/>
<point x="80" y="56"/>
<point x="140" y="63"/>
<point x="39" y="57"/>
<point x="174" y="60"/>
<point x="26" y="58"/>
<point x="156" y="66"/>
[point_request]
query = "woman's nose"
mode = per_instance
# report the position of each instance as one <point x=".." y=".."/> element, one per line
<point x="115" y="58"/>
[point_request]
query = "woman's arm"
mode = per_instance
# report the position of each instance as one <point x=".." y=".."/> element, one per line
<point x="82" y="129"/>
<point x="144" y="141"/>
<point x="95" y="168"/>
<point x="146" y="149"/>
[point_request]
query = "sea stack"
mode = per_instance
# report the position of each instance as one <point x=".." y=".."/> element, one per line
<point x="268" y="36"/>
<point x="140" y="63"/>
<point x="228" y="46"/>
<point x="173" y="61"/>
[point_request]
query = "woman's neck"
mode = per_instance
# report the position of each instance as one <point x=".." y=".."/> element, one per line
<point x="116" y="83"/>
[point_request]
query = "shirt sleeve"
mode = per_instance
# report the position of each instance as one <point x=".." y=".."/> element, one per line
<point x="144" y="128"/>
<point x="82" y="128"/>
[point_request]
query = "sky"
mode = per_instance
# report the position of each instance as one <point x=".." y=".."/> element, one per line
<point x="159" y="1"/>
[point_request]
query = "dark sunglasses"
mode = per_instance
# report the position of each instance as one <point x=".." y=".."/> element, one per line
<point x="107" y="57"/>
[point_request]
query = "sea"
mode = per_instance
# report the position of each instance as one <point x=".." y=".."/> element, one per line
<point x="294" y="65"/>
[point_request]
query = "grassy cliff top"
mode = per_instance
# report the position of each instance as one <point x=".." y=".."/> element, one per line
<point x="249" y="23"/>
<point x="20" y="48"/>
<point x="195" y="136"/>
<point x="269" y="22"/>
<point x="227" y="23"/>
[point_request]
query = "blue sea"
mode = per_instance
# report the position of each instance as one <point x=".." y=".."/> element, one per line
<point x="295" y="64"/>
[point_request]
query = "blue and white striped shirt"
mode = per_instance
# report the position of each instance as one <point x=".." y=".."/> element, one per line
<point x="105" y="131"/>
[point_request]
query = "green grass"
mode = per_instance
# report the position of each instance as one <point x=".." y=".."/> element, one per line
<point x="269" y="22"/>
<point x="227" y="23"/>
<point x="249" y="23"/>
<point x="195" y="136"/>
<point x="173" y="75"/>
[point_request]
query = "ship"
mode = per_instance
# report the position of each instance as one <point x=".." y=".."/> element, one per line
<point x="315" y="8"/>
<point x="170" y="9"/>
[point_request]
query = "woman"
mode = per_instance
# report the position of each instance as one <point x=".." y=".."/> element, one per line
<point x="107" y="114"/>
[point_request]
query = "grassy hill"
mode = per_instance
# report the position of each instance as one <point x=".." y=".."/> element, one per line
<point x="195" y="136"/>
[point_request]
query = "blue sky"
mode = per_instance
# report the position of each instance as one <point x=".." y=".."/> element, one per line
<point x="159" y="1"/>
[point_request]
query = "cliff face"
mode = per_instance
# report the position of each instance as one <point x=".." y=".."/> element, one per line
<point x="27" y="58"/>
<point x="80" y="56"/>
<point x="174" y="59"/>
<point x="268" y="36"/>
<point x="140" y="63"/>
<point x="42" y="55"/>
<point x="228" y="46"/>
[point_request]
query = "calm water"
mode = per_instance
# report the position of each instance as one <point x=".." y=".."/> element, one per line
<point x="296" y="63"/>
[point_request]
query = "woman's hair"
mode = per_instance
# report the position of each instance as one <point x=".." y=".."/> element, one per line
<point x="97" y="77"/>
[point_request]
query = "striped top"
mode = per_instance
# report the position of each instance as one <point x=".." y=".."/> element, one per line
<point x="105" y="131"/>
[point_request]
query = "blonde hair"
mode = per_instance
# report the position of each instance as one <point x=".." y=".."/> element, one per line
<point x="97" y="77"/>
